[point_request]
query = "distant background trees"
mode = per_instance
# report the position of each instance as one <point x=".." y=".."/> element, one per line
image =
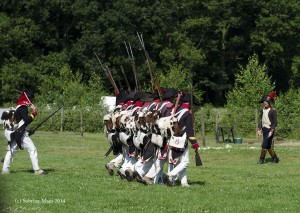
<point x="212" y="38"/>
<point x="236" y="51"/>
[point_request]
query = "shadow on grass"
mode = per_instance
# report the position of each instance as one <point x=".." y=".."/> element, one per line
<point x="32" y="171"/>
<point x="197" y="183"/>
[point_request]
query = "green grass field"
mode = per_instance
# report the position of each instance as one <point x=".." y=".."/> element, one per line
<point x="229" y="180"/>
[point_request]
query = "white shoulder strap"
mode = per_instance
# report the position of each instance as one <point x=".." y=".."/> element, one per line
<point x="180" y="113"/>
<point x="163" y="104"/>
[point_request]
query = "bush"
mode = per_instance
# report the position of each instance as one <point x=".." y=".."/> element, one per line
<point x="71" y="119"/>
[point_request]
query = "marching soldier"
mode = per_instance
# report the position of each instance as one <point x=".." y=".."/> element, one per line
<point x="165" y="107"/>
<point x="266" y="128"/>
<point x="147" y="149"/>
<point x="126" y="134"/>
<point x="113" y="136"/>
<point x="178" y="146"/>
<point x="18" y="136"/>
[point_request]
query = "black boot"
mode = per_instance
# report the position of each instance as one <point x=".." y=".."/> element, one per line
<point x="262" y="156"/>
<point x="261" y="161"/>
<point x="275" y="159"/>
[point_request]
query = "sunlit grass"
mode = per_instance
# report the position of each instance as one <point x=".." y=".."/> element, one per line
<point x="229" y="180"/>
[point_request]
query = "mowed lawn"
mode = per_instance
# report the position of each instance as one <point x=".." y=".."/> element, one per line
<point x="229" y="180"/>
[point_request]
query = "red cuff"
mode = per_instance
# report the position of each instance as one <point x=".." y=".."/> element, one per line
<point x="195" y="145"/>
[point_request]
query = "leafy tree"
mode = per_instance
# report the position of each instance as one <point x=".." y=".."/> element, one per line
<point x="295" y="72"/>
<point x="251" y="83"/>
<point x="68" y="90"/>
<point x="276" y="38"/>
<point x="288" y="111"/>
<point x="27" y="78"/>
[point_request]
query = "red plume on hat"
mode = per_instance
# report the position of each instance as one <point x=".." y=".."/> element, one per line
<point x="23" y="100"/>
<point x="272" y="95"/>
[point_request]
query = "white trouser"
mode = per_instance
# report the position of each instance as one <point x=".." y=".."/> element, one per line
<point x="156" y="170"/>
<point x="117" y="161"/>
<point x="180" y="168"/>
<point x="143" y="168"/>
<point x="29" y="146"/>
<point x="128" y="164"/>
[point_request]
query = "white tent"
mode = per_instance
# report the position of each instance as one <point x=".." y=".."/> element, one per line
<point x="109" y="102"/>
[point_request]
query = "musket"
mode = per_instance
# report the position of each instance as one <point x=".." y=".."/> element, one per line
<point x="154" y="79"/>
<point x="198" y="160"/>
<point x="108" y="75"/>
<point x="108" y="152"/>
<point x="125" y="77"/>
<point x="176" y="103"/>
<point x="130" y="55"/>
<point x="113" y="81"/>
<point x="32" y="131"/>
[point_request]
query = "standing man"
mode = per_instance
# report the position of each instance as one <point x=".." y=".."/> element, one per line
<point x="266" y="128"/>
<point x="19" y="137"/>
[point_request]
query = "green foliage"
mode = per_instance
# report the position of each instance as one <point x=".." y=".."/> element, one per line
<point x="295" y="78"/>
<point x="70" y="119"/>
<point x="212" y="38"/>
<point x="250" y="85"/>
<point x="288" y="113"/>
<point x="27" y="76"/>
<point x="177" y="78"/>
<point x="67" y="89"/>
<point x="210" y="115"/>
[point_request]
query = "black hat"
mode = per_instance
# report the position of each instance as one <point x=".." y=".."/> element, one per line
<point x="154" y="95"/>
<point x="129" y="97"/>
<point x="269" y="98"/>
<point x="188" y="97"/>
<point x="170" y="93"/>
<point x="146" y="97"/>
<point x="119" y="99"/>
<point x="264" y="98"/>
<point x="137" y="96"/>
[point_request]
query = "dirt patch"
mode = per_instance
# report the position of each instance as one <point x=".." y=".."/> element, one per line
<point x="278" y="142"/>
<point x="288" y="143"/>
<point x="253" y="142"/>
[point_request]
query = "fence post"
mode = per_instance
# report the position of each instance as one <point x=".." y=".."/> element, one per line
<point x="62" y="119"/>
<point x="203" y="126"/>
<point x="217" y="129"/>
<point x="81" y="122"/>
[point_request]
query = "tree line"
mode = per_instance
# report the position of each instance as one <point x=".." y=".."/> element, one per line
<point x="48" y="46"/>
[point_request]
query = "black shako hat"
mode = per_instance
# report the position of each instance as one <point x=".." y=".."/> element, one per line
<point x="188" y="98"/>
<point x="146" y="97"/>
<point x="154" y="95"/>
<point x="119" y="99"/>
<point x="137" y="96"/>
<point x="269" y="98"/>
<point x="170" y="93"/>
<point x="129" y="97"/>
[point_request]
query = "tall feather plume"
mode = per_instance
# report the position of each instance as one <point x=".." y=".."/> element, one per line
<point x="272" y="95"/>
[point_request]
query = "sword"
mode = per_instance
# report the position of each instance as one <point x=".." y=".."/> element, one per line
<point x="31" y="131"/>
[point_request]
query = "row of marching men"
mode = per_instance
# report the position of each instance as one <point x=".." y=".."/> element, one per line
<point x="147" y="132"/>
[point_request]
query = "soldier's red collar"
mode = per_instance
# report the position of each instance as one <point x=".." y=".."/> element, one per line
<point x="185" y="105"/>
